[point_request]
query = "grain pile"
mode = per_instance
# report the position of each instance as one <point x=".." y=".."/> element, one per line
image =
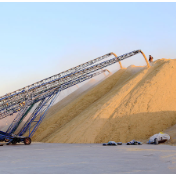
<point x="133" y="103"/>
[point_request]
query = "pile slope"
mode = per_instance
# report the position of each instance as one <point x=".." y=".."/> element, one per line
<point x="81" y="90"/>
<point x="133" y="103"/>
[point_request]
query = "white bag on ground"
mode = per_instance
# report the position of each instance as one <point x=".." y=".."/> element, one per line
<point x="161" y="137"/>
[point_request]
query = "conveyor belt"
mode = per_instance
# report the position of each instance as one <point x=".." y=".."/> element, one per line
<point x="14" y="101"/>
<point x="42" y="94"/>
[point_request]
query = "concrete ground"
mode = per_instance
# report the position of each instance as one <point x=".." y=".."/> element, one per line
<point x="49" y="158"/>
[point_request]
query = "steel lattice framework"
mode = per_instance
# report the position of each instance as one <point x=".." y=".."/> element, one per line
<point x="43" y="93"/>
<point x="12" y="102"/>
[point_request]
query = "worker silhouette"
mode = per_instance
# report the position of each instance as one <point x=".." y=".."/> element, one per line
<point x="150" y="58"/>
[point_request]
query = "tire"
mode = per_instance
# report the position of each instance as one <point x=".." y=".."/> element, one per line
<point x="14" y="142"/>
<point x="156" y="141"/>
<point x="6" y="140"/>
<point x="27" y="141"/>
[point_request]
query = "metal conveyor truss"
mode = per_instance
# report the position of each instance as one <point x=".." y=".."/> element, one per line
<point x="42" y="94"/>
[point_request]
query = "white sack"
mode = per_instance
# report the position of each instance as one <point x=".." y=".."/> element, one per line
<point x="160" y="137"/>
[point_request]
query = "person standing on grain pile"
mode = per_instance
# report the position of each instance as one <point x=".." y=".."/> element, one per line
<point x="150" y="58"/>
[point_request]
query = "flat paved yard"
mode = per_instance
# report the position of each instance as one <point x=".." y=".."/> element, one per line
<point x="49" y="158"/>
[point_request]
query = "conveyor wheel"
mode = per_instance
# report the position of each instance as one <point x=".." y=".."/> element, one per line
<point x="6" y="140"/>
<point x="27" y="141"/>
<point x="14" y="142"/>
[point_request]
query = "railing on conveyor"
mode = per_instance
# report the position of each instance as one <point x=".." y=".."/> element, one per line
<point x="13" y="102"/>
<point x="43" y="93"/>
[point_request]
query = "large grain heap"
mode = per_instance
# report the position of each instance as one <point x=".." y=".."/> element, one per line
<point x="133" y="103"/>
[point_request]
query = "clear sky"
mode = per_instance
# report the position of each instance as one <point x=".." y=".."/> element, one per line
<point x="38" y="40"/>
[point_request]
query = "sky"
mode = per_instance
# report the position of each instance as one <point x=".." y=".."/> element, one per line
<point x="38" y="40"/>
